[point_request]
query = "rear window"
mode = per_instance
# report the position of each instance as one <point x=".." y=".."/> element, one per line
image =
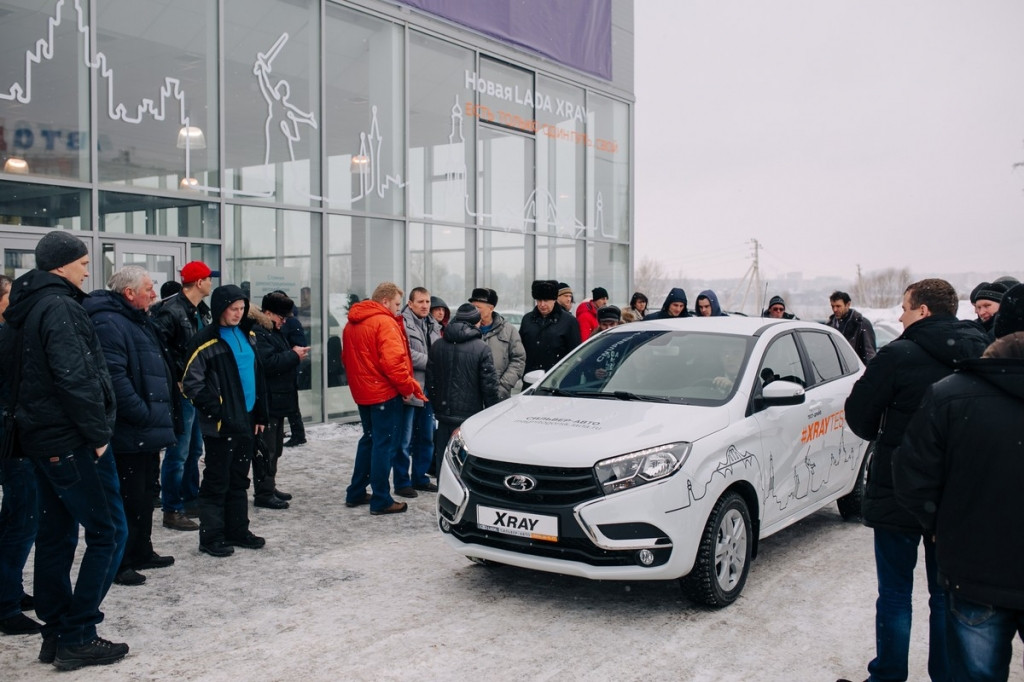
<point x="824" y="357"/>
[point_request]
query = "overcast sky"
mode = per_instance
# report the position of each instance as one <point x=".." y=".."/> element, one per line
<point x="836" y="132"/>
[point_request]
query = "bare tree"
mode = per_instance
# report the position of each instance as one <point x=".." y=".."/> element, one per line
<point x="880" y="289"/>
<point x="649" y="276"/>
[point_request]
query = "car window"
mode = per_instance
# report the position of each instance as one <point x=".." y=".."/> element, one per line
<point x="824" y="357"/>
<point x="782" y="361"/>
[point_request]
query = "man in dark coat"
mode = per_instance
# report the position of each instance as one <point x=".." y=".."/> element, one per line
<point x="959" y="472"/>
<point x="674" y="306"/>
<point x="65" y="413"/>
<point x="879" y="407"/>
<point x="851" y="324"/>
<point x="145" y="423"/>
<point x="224" y="380"/>
<point x="548" y="331"/>
<point x="986" y="298"/>
<point x="281" y="362"/>
<point x="461" y="379"/>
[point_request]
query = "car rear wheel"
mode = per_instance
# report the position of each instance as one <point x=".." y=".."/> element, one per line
<point x="723" y="558"/>
<point x="851" y="503"/>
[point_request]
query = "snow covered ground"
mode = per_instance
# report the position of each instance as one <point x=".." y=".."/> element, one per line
<point x="338" y="594"/>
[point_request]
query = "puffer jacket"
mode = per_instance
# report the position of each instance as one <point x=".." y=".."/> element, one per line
<point x="959" y="471"/>
<point x="280" y="365"/>
<point x="675" y="294"/>
<point x="421" y="334"/>
<point x="211" y="379"/>
<point x="460" y="375"/>
<point x="548" y="339"/>
<point x="177" y="321"/>
<point x="65" y="397"/>
<point x="586" y="317"/>
<point x="138" y="370"/>
<point x="889" y="392"/>
<point x="376" y="355"/>
<point x="508" y="354"/>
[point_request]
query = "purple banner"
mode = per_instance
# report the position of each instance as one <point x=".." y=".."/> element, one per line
<point x="577" y="33"/>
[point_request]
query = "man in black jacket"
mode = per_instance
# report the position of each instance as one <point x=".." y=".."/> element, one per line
<point x="959" y="472"/>
<point x="879" y="407"/>
<point x="177" y="320"/>
<point x="461" y="379"/>
<point x="145" y="423"/>
<point x="548" y="331"/>
<point x="64" y="406"/>
<point x="855" y="327"/>
<point x="224" y="380"/>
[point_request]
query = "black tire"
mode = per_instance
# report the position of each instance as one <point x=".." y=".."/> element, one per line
<point x="850" y="505"/>
<point x="723" y="558"/>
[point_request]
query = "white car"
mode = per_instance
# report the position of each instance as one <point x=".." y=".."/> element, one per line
<point x="659" y="450"/>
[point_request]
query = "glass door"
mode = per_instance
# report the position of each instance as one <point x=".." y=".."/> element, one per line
<point x="18" y="254"/>
<point x="163" y="260"/>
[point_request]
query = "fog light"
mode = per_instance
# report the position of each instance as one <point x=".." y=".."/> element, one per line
<point x="445" y="526"/>
<point x="645" y="557"/>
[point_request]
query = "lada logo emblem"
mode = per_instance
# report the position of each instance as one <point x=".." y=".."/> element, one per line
<point x="520" y="483"/>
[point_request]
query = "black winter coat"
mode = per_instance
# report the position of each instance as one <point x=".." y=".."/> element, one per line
<point x="140" y="375"/>
<point x="212" y="381"/>
<point x="280" y="364"/>
<point x="964" y="454"/>
<point x="177" y="321"/>
<point x="461" y="379"/>
<point x="65" y="397"/>
<point x="889" y="392"/>
<point x="859" y="332"/>
<point x="548" y="339"/>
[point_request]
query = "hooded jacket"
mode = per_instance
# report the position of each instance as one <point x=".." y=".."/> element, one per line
<point x="376" y="355"/>
<point x="675" y="295"/>
<point x="959" y="472"/>
<point x="888" y="394"/>
<point x="212" y="381"/>
<point x="548" y="339"/>
<point x="716" y="309"/>
<point x="460" y="375"/>
<point x="280" y="365"/>
<point x="65" y="397"/>
<point x="138" y="371"/>
<point x="507" y="352"/>
<point x="586" y="316"/>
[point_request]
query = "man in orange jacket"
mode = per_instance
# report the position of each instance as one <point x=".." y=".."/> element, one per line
<point x="376" y="358"/>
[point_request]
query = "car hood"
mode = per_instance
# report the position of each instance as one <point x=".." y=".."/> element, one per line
<point x="576" y="432"/>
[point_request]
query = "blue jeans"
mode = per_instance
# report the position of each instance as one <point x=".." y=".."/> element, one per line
<point x="895" y="559"/>
<point x="76" y="488"/>
<point x="981" y="639"/>
<point x="179" y="474"/>
<point x="417" y="446"/>
<point x="382" y="432"/>
<point x="18" y="521"/>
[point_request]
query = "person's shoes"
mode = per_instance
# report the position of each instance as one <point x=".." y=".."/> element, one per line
<point x="217" y="549"/>
<point x="272" y="502"/>
<point x="395" y="508"/>
<point x="249" y="541"/>
<point x="356" y="503"/>
<point x="280" y="495"/>
<point x="27" y="603"/>
<point x="155" y="561"/>
<point x="178" y="521"/>
<point x="19" y="624"/>
<point x="48" y="649"/>
<point x="407" y="491"/>
<point x="293" y="441"/>
<point x="129" y="576"/>
<point x="426" y="487"/>
<point x="97" y="652"/>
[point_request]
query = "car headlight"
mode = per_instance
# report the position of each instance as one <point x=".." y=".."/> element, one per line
<point x="636" y="468"/>
<point x="455" y="452"/>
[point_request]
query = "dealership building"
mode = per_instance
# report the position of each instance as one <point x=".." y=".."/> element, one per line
<point x="320" y="147"/>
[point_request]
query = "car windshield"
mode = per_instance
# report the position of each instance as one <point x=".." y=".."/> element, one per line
<point x="655" y="365"/>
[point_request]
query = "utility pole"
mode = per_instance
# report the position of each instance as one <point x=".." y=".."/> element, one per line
<point x="752" y="278"/>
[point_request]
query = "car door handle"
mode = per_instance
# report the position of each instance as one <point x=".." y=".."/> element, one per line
<point x="814" y="410"/>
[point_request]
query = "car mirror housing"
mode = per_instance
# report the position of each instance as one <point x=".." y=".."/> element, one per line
<point x="782" y="393"/>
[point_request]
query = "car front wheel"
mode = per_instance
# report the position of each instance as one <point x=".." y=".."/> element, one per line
<point x="723" y="558"/>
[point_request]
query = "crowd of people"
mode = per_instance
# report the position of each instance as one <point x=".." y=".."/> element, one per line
<point x="95" y="386"/>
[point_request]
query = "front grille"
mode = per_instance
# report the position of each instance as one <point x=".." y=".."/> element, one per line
<point x="566" y="549"/>
<point x="556" y="486"/>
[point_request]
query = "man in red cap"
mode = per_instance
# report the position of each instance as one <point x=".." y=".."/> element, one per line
<point x="177" y="320"/>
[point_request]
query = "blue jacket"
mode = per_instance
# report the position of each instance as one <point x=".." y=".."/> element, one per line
<point x="142" y="380"/>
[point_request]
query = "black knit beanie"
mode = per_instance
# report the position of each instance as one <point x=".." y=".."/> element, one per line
<point x="467" y="312"/>
<point x="58" y="248"/>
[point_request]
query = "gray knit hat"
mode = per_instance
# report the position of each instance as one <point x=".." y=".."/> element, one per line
<point x="58" y="248"/>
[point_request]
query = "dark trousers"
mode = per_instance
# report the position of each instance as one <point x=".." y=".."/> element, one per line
<point x="223" y="496"/>
<point x="980" y="639"/>
<point x="76" y="489"/>
<point x="264" y="465"/>
<point x="296" y="426"/>
<point x="382" y="435"/>
<point x="136" y="472"/>
<point x="18" y="521"/>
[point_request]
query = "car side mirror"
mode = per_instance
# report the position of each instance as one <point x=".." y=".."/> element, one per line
<point x="782" y="393"/>
<point x="534" y="377"/>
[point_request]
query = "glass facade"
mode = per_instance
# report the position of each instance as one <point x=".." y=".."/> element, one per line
<point x="313" y="146"/>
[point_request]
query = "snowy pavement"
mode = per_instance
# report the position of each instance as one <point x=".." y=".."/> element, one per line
<point x="338" y="594"/>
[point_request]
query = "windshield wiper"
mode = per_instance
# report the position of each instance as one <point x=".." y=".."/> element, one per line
<point x="619" y="395"/>
<point x="553" y="391"/>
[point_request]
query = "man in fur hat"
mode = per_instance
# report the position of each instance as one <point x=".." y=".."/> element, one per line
<point x="548" y="331"/>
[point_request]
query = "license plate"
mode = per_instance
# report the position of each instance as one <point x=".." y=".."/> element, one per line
<point x="520" y="524"/>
